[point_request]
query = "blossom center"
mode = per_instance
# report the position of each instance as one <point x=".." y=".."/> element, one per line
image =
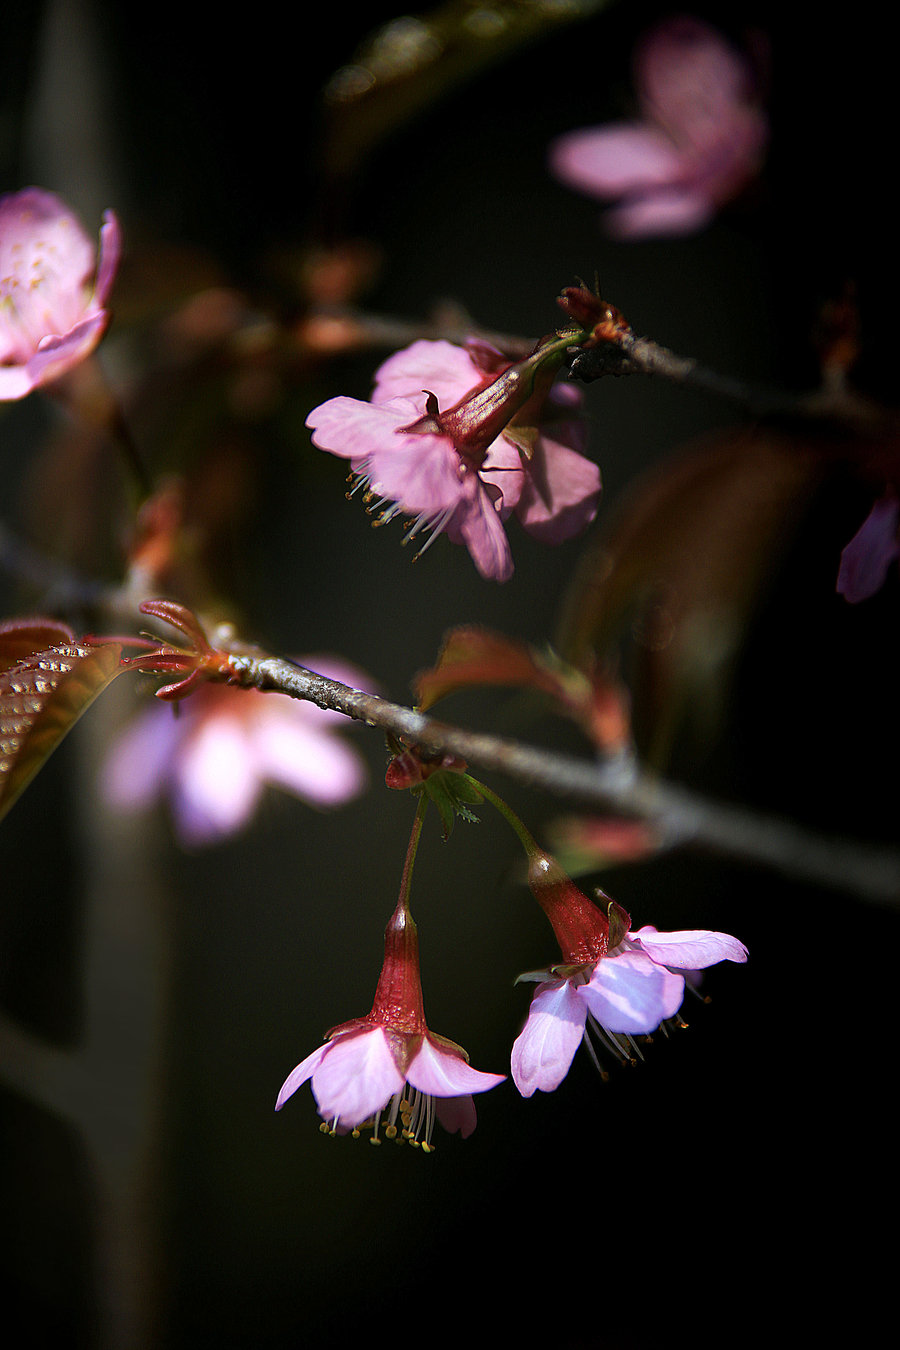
<point x="35" y="300"/>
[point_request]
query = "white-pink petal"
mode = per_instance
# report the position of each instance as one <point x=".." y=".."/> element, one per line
<point x="298" y="1076"/>
<point x="51" y="314"/>
<point x="440" y="368"/>
<point x="664" y="211"/>
<point x="109" y="255"/>
<point x="216" y="782"/>
<point x="612" y="160"/>
<point x="544" y="1049"/>
<point x="477" y="524"/>
<point x="689" y="948"/>
<point x="311" y="763"/>
<point x="630" y="993"/>
<point x="356" y="1078"/>
<point x="443" y="1074"/>
<point x="560" y="495"/>
<point x="138" y="768"/>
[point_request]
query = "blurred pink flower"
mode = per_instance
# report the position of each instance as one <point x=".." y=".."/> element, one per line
<point x="438" y="444"/>
<point x="214" y="756"/>
<point x="700" y="141"/>
<point x="369" y="1064"/>
<point x="866" y="559"/>
<point x="624" y="984"/>
<point x="53" y="289"/>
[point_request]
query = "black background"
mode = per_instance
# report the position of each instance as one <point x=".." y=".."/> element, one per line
<point x="732" y="1184"/>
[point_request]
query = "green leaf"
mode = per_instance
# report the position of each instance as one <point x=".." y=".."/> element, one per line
<point x="47" y="680"/>
<point x="452" y="793"/>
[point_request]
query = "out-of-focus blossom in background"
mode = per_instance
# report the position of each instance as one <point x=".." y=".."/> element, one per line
<point x="212" y="757"/>
<point x="53" y="289"/>
<point x="699" y="142"/>
<point x="466" y="488"/>
<point x="866" y="559"/>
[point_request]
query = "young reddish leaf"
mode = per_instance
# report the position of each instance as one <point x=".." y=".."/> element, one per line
<point x="47" y="680"/>
<point x="476" y="656"/>
<point x="19" y="638"/>
<point x="681" y="569"/>
<point x="473" y="656"/>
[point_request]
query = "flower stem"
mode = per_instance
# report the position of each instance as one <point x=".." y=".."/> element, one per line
<point x="527" y="840"/>
<point x="411" y="850"/>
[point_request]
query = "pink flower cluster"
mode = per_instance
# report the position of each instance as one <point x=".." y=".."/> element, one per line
<point x="700" y="140"/>
<point x="620" y="984"/>
<point x="437" y="444"/>
<point x="213" y="759"/>
<point x="53" y="289"/>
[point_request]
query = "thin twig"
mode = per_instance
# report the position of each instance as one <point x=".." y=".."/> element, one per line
<point x="681" y="816"/>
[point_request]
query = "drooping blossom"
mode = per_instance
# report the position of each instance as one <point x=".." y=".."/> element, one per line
<point x="389" y="1063"/>
<point x="869" y="554"/>
<point x="214" y="757"/>
<point x="616" y="983"/>
<point x="53" y="289"/>
<point x="458" y="439"/>
<point x="700" y="138"/>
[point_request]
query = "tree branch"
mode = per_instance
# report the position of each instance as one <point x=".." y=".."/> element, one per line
<point x="681" y="816"/>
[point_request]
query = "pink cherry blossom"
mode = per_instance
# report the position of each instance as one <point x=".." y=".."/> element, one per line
<point x="630" y="991"/>
<point x="869" y="554"/>
<point x="701" y="138"/>
<point x="437" y="444"/>
<point x="622" y="984"/>
<point x="359" y="1075"/>
<point x="214" y="757"/>
<point x="389" y="1062"/>
<point x="53" y="289"/>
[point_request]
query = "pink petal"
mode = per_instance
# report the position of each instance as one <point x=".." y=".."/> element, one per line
<point x="356" y="1078"/>
<point x="691" y="80"/>
<point x="441" y="368"/>
<point x="137" y="768"/>
<point x="216" y="782"/>
<point x="108" y="257"/>
<point x="456" y="1114"/>
<point x="443" y="1074"/>
<point x="630" y="993"/>
<point x="15" y="382"/>
<point x="610" y="161"/>
<point x="419" y="472"/>
<point x="865" y="560"/>
<point x="689" y="949"/>
<point x="561" y="493"/>
<point x="503" y="470"/>
<point x="297" y="1077"/>
<point x="477" y="525"/>
<point x="56" y="355"/>
<point x="674" y="211"/>
<point x="351" y="429"/>
<point x="544" y="1050"/>
<point x="313" y="764"/>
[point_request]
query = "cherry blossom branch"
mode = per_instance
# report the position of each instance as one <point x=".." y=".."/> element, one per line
<point x="618" y="784"/>
<point x="624" y="353"/>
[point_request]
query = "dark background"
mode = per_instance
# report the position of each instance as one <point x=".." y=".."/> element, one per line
<point x="731" y="1184"/>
